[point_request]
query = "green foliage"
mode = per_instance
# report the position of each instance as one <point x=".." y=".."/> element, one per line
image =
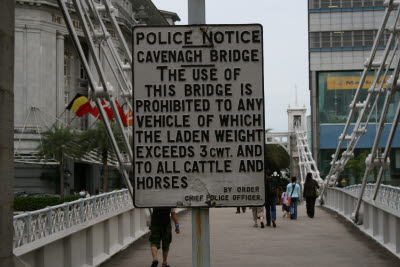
<point x="37" y="203"/>
<point x="276" y="158"/>
<point x="57" y="141"/>
<point x="72" y="198"/>
<point x="97" y="139"/>
<point x="356" y="166"/>
<point x="34" y="203"/>
<point x="282" y="183"/>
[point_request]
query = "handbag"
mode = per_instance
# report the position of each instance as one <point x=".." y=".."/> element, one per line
<point x="288" y="202"/>
<point x="289" y="199"/>
<point x="317" y="192"/>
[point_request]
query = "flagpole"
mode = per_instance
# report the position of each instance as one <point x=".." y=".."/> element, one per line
<point x="93" y="124"/>
<point x="72" y="119"/>
<point x="57" y="119"/>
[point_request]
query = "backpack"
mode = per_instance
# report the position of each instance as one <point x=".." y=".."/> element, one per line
<point x="160" y="216"/>
<point x="271" y="187"/>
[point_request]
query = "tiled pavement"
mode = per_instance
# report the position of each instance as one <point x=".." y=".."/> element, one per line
<point x="326" y="240"/>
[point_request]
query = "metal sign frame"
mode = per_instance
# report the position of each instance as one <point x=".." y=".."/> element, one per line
<point x="262" y="95"/>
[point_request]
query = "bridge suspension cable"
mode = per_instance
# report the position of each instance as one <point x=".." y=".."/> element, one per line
<point x="361" y="110"/>
<point x="92" y="16"/>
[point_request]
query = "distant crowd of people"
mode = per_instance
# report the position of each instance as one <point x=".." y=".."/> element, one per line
<point x="288" y="200"/>
<point x="83" y="192"/>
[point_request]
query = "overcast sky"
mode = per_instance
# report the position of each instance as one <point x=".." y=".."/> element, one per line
<point x="285" y="46"/>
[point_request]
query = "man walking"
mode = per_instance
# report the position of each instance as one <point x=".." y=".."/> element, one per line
<point x="258" y="213"/>
<point x="238" y="209"/>
<point x="271" y="193"/>
<point x="160" y="231"/>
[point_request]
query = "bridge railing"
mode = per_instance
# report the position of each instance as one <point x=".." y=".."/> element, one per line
<point x="81" y="233"/>
<point x="379" y="219"/>
<point x="32" y="226"/>
<point x="84" y="232"/>
<point x="387" y="195"/>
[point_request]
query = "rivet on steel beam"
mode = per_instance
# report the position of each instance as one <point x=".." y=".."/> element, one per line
<point x="376" y="90"/>
<point x="361" y="131"/>
<point x="126" y="67"/>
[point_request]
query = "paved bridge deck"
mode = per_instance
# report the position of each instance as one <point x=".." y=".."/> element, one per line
<point x="326" y="240"/>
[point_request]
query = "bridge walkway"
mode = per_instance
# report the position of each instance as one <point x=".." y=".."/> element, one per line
<point x="326" y="240"/>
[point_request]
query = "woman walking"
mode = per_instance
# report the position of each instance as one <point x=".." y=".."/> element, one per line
<point x="293" y="194"/>
<point x="310" y="194"/>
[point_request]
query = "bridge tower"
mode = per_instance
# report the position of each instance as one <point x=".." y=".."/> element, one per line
<point x="296" y="117"/>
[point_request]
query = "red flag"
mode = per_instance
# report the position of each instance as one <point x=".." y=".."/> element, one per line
<point x="121" y="113"/>
<point x="108" y="110"/>
<point x="94" y="111"/>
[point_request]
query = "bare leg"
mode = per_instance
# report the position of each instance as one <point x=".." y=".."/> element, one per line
<point x="154" y="252"/>
<point x="165" y="256"/>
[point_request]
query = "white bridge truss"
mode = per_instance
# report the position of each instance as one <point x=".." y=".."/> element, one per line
<point x="92" y="16"/>
<point x="306" y="161"/>
<point x="281" y="139"/>
<point x="362" y="109"/>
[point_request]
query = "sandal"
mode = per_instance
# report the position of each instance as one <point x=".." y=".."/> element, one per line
<point x="165" y="265"/>
<point x="154" y="263"/>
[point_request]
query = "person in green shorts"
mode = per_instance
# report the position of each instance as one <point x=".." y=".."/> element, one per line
<point x="161" y="234"/>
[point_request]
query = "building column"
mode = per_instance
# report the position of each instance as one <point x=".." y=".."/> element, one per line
<point x="7" y="26"/>
<point x="59" y="74"/>
<point x="314" y="117"/>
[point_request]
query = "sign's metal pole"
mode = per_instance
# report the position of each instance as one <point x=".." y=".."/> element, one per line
<point x="200" y="217"/>
<point x="197" y="11"/>
<point x="200" y="237"/>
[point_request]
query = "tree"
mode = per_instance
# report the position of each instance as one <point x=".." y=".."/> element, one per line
<point x="56" y="143"/>
<point x="96" y="139"/>
<point x="356" y="166"/>
<point x="276" y="158"/>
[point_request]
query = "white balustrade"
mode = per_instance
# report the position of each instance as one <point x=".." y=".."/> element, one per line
<point x="32" y="226"/>
<point x="387" y="195"/>
<point x="380" y="219"/>
<point x="85" y="232"/>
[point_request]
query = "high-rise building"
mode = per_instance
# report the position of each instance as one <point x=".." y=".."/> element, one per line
<point x="341" y="35"/>
<point x="48" y="75"/>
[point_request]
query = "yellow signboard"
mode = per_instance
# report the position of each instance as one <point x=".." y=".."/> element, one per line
<point x="351" y="82"/>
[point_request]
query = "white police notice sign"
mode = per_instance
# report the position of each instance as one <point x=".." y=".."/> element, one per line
<point x="198" y="133"/>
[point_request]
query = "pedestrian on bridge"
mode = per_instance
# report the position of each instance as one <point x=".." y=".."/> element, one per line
<point x="160" y="231"/>
<point x="271" y="195"/>
<point x="293" y="191"/>
<point x="258" y="213"/>
<point x="238" y="209"/>
<point x="310" y="194"/>
<point x="285" y="208"/>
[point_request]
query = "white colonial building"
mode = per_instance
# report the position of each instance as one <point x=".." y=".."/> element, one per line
<point x="48" y="74"/>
